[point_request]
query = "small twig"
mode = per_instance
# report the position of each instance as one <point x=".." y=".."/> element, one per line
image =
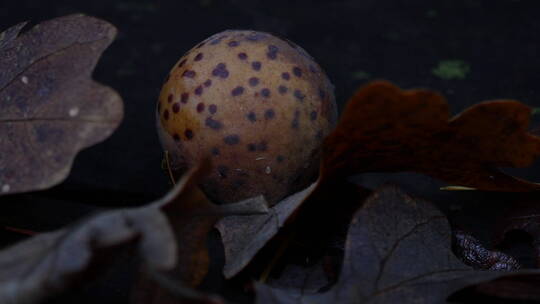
<point x="20" y="230"/>
<point x="168" y="167"/>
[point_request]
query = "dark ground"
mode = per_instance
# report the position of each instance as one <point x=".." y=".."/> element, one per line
<point x="354" y="41"/>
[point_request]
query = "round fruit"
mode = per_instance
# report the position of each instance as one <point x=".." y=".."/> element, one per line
<point x="258" y="105"/>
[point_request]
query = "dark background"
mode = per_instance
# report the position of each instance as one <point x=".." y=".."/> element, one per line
<point x="354" y="41"/>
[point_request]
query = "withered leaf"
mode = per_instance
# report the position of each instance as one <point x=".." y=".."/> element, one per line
<point x="384" y="128"/>
<point x="472" y="252"/>
<point x="523" y="216"/>
<point x="304" y="279"/>
<point x="397" y="251"/>
<point x="50" y="263"/>
<point x="192" y="221"/>
<point x="244" y="236"/>
<point x="50" y="108"/>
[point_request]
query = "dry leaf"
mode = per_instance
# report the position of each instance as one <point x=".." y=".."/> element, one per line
<point x="397" y="251"/>
<point x="471" y="252"/>
<point x="384" y="128"/>
<point x="50" y="107"/>
<point x="244" y="236"/>
<point x="49" y="263"/>
<point x="192" y="221"/>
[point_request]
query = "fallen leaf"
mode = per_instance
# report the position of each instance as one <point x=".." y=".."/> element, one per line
<point x="301" y="279"/>
<point x="473" y="253"/>
<point x="50" y="107"/>
<point x="386" y="129"/>
<point x="192" y="221"/>
<point x="383" y="128"/>
<point x="159" y="288"/>
<point x="244" y="236"/>
<point x="50" y="263"/>
<point x="518" y="287"/>
<point x="522" y="216"/>
<point x="397" y="251"/>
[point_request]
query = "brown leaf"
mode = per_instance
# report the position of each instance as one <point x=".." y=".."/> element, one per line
<point x="164" y="234"/>
<point x="193" y="219"/>
<point x="50" y="107"/>
<point x="244" y="236"/>
<point x="384" y="128"/>
<point x="397" y="251"/>
<point x="50" y="263"/>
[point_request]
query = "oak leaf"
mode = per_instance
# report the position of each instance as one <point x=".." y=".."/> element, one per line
<point x="386" y="129"/>
<point x="50" y="108"/>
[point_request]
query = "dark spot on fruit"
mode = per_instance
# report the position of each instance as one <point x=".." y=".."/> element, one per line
<point x="166" y="114"/>
<point x="297" y="72"/>
<point x="198" y="90"/>
<point x="242" y="56"/>
<point x="233" y="43"/>
<point x="251" y="147"/>
<point x="220" y="71"/>
<point x="262" y="146"/>
<point x="181" y="63"/>
<point x="200" y="107"/>
<point x="184" y="97"/>
<point x="237" y="91"/>
<point x="213" y="124"/>
<point x="251" y="116"/>
<point x="207" y="83"/>
<point x="280" y="158"/>
<point x="296" y="120"/>
<point x="272" y="52"/>
<point x="286" y="75"/>
<point x="188" y="133"/>
<point x="176" y="107"/>
<point x="253" y="81"/>
<point x="322" y="93"/>
<point x="198" y="57"/>
<point x="254" y="36"/>
<point x="189" y="74"/>
<point x="312" y="69"/>
<point x="212" y="109"/>
<point x="313" y="115"/>
<point x="269" y="114"/>
<point x="299" y="95"/>
<point x="232" y="139"/>
<point x="265" y="92"/>
<point x="223" y="171"/>
<point x="282" y="89"/>
<point x="215" y="151"/>
<point x="176" y="137"/>
<point x="170" y="98"/>
<point x="256" y="65"/>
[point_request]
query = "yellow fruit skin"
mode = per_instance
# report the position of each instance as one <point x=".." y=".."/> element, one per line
<point x="257" y="105"/>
